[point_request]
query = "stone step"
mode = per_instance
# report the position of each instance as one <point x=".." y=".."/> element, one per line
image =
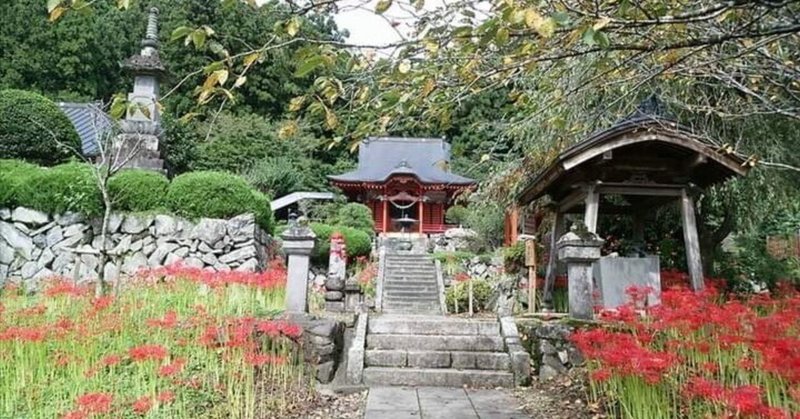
<point x="435" y="342"/>
<point x="432" y="325"/>
<point x="436" y="377"/>
<point x="410" y="285"/>
<point x="415" y="271"/>
<point x="411" y="293"/>
<point x="407" y="277"/>
<point x="498" y="361"/>
<point x="412" y="309"/>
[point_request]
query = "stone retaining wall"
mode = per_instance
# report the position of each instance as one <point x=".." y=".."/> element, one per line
<point x="35" y="245"/>
<point x="551" y="350"/>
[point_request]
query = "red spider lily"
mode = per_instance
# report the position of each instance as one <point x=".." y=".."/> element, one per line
<point x="745" y="400"/>
<point x="75" y="414"/>
<point x="461" y="277"/>
<point x="148" y="352"/>
<point x="172" y="368"/>
<point x="273" y="277"/>
<point x="24" y="334"/>
<point x="705" y="389"/>
<point x="61" y="286"/>
<point x="36" y="310"/>
<point x="95" y="402"/>
<point x="166" y="397"/>
<point x="169" y="321"/>
<point x="258" y="360"/>
<point x="142" y="405"/>
<point x="600" y="375"/>
<point x="111" y="360"/>
<point x="102" y="303"/>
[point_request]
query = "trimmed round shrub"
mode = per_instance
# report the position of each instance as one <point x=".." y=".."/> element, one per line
<point x="67" y="187"/>
<point x="457" y="296"/>
<point x="138" y="190"/>
<point x="13" y="175"/>
<point x="33" y="128"/>
<point x="356" y="215"/>
<point x="358" y="242"/>
<point x="456" y="215"/>
<point x="217" y="195"/>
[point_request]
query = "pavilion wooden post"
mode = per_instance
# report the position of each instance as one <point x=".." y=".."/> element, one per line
<point x="691" y="241"/>
<point x="592" y="206"/>
<point x="530" y="262"/>
<point x="552" y="262"/>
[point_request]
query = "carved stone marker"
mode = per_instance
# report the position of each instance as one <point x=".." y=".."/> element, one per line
<point x="579" y="249"/>
<point x="298" y="242"/>
<point x="337" y="268"/>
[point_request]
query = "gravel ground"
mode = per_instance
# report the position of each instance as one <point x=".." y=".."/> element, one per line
<point x="330" y="406"/>
<point x="563" y="397"/>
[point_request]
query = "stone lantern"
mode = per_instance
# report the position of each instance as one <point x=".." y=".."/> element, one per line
<point x="298" y="243"/>
<point x="579" y="249"/>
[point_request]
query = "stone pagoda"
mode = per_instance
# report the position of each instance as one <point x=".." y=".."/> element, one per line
<point x="142" y="126"/>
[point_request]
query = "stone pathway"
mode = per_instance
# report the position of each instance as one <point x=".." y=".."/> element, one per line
<point x="441" y="403"/>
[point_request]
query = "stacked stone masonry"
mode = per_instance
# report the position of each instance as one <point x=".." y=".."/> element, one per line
<point x="35" y="245"/>
<point x="549" y="343"/>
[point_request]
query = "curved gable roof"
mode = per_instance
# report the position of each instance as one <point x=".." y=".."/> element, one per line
<point x="383" y="157"/>
<point x="646" y="126"/>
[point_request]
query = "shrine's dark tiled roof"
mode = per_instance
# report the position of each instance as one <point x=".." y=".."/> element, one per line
<point x="383" y="157"/>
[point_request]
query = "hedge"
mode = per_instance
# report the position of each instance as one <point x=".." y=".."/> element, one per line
<point x="217" y="195"/>
<point x="138" y="190"/>
<point x="33" y="128"/>
<point x="358" y="242"/>
<point x="67" y="187"/>
<point x="13" y="175"/>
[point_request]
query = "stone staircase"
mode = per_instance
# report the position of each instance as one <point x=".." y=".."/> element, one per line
<point x="431" y="350"/>
<point x="409" y="285"/>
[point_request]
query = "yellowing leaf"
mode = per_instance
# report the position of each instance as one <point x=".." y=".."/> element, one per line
<point x="52" y="4"/>
<point x="404" y="67"/>
<point x="532" y="18"/>
<point x="288" y="129"/>
<point x="427" y="88"/>
<point x="296" y="103"/>
<point x="382" y="6"/>
<point x="251" y="58"/>
<point x="293" y="26"/>
<point x="419" y="4"/>
<point x="330" y="119"/>
<point x="222" y="76"/>
<point x="601" y="23"/>
<point x="56" y="13"/>
<point x="240" y="81"/>
<point x="431" y="45"/>
<point x="123" y="4"/>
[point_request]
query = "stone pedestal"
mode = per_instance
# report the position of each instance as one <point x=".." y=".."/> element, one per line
<point x="298" y="242"/>
<point x="337" y="268"/>
<point x="579" y="249"/>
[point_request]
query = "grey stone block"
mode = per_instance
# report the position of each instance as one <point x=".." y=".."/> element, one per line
<point x="428" y="359"/>
<point x="380" y="358"/>
<point x="435" y="343"/>
<point x="436" y="377"/>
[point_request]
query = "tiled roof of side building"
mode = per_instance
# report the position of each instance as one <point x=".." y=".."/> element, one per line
<point x="89" y="121"/>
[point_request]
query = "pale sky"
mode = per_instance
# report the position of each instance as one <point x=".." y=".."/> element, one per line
<point x="368" y="28"/>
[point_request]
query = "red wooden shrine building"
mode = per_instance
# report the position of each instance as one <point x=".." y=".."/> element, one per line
<point x="406" y="182"/>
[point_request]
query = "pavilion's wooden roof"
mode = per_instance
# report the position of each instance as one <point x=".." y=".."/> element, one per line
<point x="646" y="147"/>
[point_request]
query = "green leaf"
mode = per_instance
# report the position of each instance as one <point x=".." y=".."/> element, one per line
<point x="199" y="38"/>
<point x="382" y="6"/>
<point x="588" y="37"/>
<point x="118" y="106"/>
<point x="502" y="36"/>
<point x="180" y="32"/>
<point x="309" y="65"/>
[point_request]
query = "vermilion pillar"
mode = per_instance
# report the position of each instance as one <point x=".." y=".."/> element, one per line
<point x="421" y="213"/>
<point x="385" y="214"/>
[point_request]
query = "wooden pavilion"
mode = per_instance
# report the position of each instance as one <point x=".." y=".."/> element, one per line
<point x="646" y="158"/>
<point x="406" y="182"/>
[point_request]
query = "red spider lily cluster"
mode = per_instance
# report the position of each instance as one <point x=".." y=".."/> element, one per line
<point x="169" y="344"/>
<point x="698" y="355"/>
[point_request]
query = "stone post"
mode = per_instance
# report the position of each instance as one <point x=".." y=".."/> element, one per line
<point x="298" y="242"/>
<point x="579" y="249"/>
<point x="337" y="268"/>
